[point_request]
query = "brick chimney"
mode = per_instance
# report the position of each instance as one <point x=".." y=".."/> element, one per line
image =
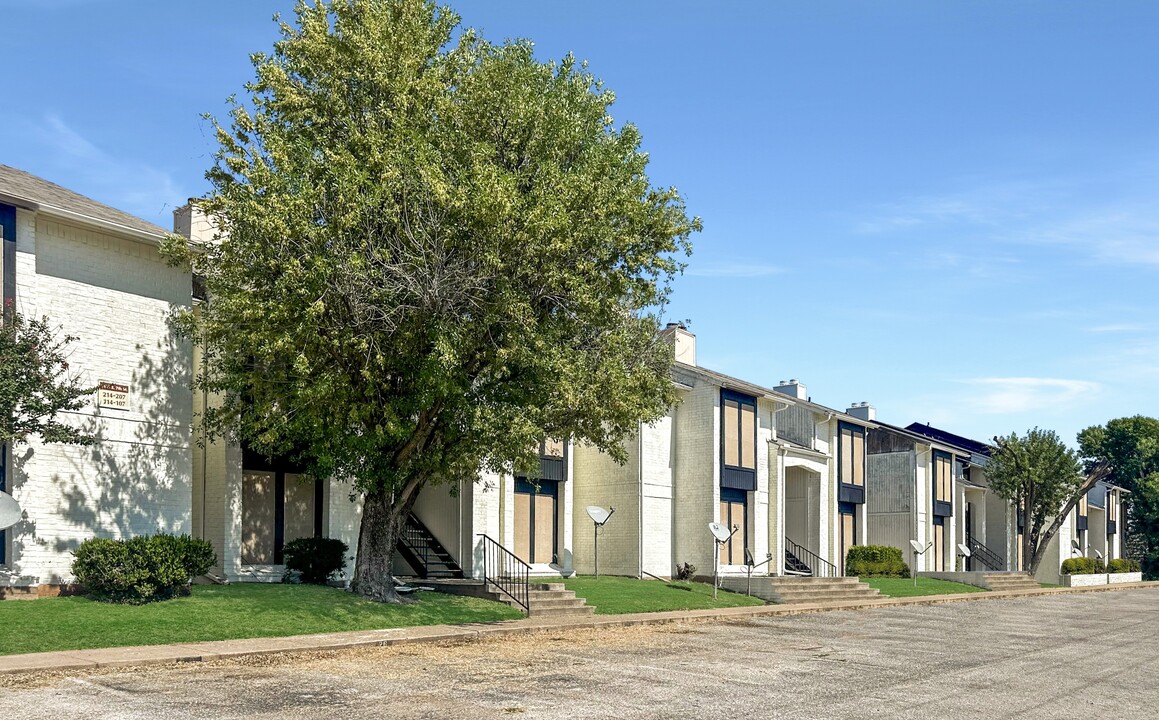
<point x="683" y="342"/>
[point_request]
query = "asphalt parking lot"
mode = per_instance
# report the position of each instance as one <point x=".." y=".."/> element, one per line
<point x="1092" y="655"/>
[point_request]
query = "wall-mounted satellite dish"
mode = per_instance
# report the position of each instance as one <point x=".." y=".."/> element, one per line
<point x="964" y="551"/>
<point x="1074" y="544"/>
<point x="720" y="532"/>
<point x="9" y="511"/>
<point x="599" y="515"/>
<point x="1098" y="554"/>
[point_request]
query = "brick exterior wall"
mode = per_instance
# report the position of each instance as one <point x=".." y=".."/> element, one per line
<point x="114" y="293"/>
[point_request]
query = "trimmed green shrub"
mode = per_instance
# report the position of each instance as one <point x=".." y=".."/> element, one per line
<point x="1122" y="565"/>
<point x="875" y="561"/>
<point x="141" y="569"/>
<point x="316" y="558"/>
<point x="1083" y="566"/>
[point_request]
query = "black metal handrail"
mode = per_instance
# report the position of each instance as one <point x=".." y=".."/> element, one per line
<point x="416" y="541"/>
<point x="985" y="555"/>
<point x="819" y="565"/>
<point x="506" y="572"/>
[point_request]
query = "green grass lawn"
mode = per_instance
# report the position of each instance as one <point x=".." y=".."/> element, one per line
<point x="618" y="595"/>
<point x="904" y="587"/>
<point x="215" y="612"/>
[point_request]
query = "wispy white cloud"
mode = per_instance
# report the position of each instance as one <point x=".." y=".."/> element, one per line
<point x="1009" y="395"/>
<point x="122" y="182"/>
<point x="1077" y="213"/>
<point x="1117" y="328"/>
<point x="733" y="269"/>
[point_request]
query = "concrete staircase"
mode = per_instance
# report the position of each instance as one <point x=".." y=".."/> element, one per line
<point x="1009" y="581"/>
<point x="545" y="599"/>
<point x="789" y="589"/>
<point x="555" y="600"/>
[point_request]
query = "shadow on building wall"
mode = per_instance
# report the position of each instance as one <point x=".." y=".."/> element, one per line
<point x="136" y="478"/>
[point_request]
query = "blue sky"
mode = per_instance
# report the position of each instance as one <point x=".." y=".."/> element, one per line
<point x="945" y="209"/>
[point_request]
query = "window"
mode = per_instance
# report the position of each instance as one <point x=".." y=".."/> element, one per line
<point x="734" y="512"/>
<point x="851" y="454"/>
<point x="848" y="529"/>
<point x="942" y="477"/>
<point x="939" y="544"/>
<point x="536" y="520"/>
<point x="277" y="507"/>
<point x="738" y="441"/>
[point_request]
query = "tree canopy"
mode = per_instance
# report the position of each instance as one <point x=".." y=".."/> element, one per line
<point x="434" y="252"/>
<point x="1130" y="446"/>
<point x="35" y="383"/>
<point x="1042" y="477"/>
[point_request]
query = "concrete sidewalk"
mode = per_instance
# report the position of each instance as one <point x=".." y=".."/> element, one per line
<point x="222" y="649"/>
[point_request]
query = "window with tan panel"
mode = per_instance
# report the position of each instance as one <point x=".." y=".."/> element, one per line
<point x="739" y="432"/>
<point x="851" y="454"/>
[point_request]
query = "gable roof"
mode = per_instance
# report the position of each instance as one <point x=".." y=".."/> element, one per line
<point x="34" y="193"/>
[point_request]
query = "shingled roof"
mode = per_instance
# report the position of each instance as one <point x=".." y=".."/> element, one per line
<point x="24" y="189"/>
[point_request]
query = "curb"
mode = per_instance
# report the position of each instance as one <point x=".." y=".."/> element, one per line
<point x="142" y="655"/>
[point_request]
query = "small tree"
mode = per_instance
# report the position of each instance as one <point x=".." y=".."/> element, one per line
<point x="35" y="384"/>
<point x="435" y="253"/>
<point x="1042" y="477"/>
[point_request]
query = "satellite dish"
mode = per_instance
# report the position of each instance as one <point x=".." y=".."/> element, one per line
<point x="917" y="546"/>
<point x="965" y="551"/>
<point x="598" y="515"/>
<point x="1075" y="544"/>
<point x="1098" y="554"/>
<point x="9" y="511"/>
<point x="749" y="559"/>
<point x="720" y="532"/>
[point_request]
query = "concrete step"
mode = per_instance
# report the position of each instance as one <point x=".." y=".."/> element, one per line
<point x="548" y="587"/>
<point x="557" y="603"/>
<point x="802" y="590"/>
<point x="540" y="613"/>
<point x="549" y="594"/>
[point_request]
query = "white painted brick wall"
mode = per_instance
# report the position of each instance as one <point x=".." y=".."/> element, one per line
<point x="599" y="480"/>
<point x="114" y="294"/>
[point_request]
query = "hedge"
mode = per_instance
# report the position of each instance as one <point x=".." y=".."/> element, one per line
<point x="1083" y="566"/>
<point x="875" y="561"/>
<point x="141" y="569"/>
<point x="1122" y="565"/>
<point x="316" y="558"/>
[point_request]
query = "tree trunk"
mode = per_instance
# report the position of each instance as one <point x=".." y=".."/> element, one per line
<point x="377" y="537"/>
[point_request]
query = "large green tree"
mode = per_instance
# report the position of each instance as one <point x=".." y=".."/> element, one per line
<point x="1042" y="477"/>
<point x="434" y="252"/>
<point x="36" y="385"/>
<point x="1130" y="445"/>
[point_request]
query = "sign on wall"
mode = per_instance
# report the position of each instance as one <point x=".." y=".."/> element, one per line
<point x="112" y="395"/>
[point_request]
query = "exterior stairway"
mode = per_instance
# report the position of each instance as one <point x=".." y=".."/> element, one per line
<point x="554" y="600"/>
<point x="544" y="599"/>
<point x="788" y="589"/>
<point x="1009" y="581"/>
<point x="424" y="553"/>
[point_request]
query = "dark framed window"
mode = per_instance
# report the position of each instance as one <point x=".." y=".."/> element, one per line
<point x="734" y="506"/>
<point x="537" y="520"/>
<point x="943" y="483"/>
<point x="278" y="504"/>
<point x="851" y="462"/>
<point x="939" y="547"/>
<point x="851" y="454"/>
<point x="738" y="441"/>
<point x="847" y="528"/>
